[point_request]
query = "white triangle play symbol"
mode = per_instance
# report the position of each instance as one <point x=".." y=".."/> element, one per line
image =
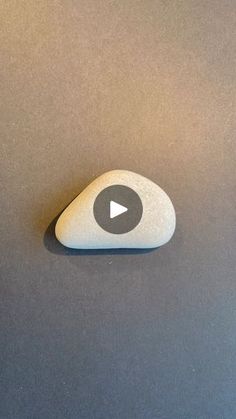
<point x="116" y="209"/>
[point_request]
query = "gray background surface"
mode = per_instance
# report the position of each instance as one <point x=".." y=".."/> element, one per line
<point x="89" y="86"/>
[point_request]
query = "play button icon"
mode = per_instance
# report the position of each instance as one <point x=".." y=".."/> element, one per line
<point x="118" y="209"/>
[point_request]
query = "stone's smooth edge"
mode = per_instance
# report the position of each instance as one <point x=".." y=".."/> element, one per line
<point x="111" y="178"/>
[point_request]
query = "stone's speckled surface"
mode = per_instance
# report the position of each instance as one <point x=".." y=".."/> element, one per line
<point x="77" y="228"/>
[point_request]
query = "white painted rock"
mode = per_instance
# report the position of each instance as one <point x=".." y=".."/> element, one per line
<point x="120" y="209"/>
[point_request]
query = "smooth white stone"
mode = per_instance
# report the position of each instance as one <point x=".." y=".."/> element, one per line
<point x="77" y="228"/>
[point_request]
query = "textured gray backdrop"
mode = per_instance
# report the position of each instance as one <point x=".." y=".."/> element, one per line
<point x="89" y="86"/>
